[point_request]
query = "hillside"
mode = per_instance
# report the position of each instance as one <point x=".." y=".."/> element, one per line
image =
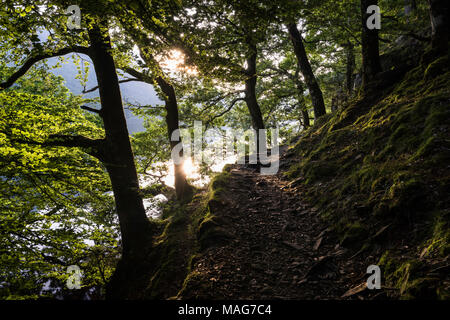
<point x="365" y="185"/>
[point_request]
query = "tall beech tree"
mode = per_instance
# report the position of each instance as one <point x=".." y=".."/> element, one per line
<point x="115" y="151"/>
<point x="250" y="86"/>
<point x="308" y="74"/>
<point x="152" y="38"/>
<point x="135" y="32"/>
<point x="182" y="188"/>
<point x="52" y="199"/>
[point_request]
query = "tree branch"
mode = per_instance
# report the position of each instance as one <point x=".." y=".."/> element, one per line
<point x="139" y="76"/>
<point x="282" y="71"/>
<point x="216" y="100"/>
<point x="120" y="81"/>
<point x="225" y="111"/>
<point x="90" y="146"/>
<point x="91" y="109"/>
<point x="57" y="140"/>
<point x="34" y="59"/>
<point x="417" y="37"/>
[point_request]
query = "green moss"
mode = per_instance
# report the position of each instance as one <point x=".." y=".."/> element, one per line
<point x="195" y="285"/>
<point x="187" y="230"/>
<point x="443" y="292"/>
<point x="436" y="68"/>
<point x="212" y="229"/>
<point x="167" y="263"/>
<point x="439" y="242"/>
<point x="219" y="181"/>
<point x="426" y="148"/>
<point x="422" y="288"/>
<point x="352" y="233"/>
<point x="384" y="161"/>
<point x="294" y="171"/>
<point x="407" y="277"/>
<point x="315" y="170"/>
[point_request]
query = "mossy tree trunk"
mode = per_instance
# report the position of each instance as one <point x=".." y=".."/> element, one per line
<point x="250" y="90"/>
<point x="114" y="151"/>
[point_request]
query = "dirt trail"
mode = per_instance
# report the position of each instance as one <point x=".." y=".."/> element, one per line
<point x="279" y="248"/>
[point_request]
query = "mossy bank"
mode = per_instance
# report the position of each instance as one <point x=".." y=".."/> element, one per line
<point x="378" y="170"/>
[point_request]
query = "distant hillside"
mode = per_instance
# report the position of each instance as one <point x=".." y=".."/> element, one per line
<point x="134" y="92"/>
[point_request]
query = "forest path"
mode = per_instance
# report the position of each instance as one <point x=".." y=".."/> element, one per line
<point x="279" y="248"/>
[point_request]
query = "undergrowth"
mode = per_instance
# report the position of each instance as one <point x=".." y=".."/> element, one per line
<point x="186" y="231"/>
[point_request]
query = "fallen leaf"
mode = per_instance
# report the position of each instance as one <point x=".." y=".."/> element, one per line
<point x="292" y="245"/>
<point x="317" y="244"/>
<point x="359" y="288"/>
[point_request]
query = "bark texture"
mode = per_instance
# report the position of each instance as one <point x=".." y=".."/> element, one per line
<point x="117" y="155"/>
<point x="307" y="72"/>
<point x="350" y="53"/>
<point x="250" y="90"/>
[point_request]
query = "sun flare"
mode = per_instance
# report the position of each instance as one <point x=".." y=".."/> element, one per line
<point x="189" y="168"/>
<point x="175" y="61"/>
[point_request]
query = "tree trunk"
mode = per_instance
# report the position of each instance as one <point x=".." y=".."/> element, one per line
<point x="182" y="187"/>
<point x="305" y="116"/>
<point x="370" y="46"/>
<point x="251" y="99"/>
<point x="349" y="49"/>
<point x="439" y="14"/>
<point x="305" y="67"/>
<point x="301" y="102"/>
<point x="410" y="7"/>
<point x="118" y="157"/>
<point x="250" y="92"/>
